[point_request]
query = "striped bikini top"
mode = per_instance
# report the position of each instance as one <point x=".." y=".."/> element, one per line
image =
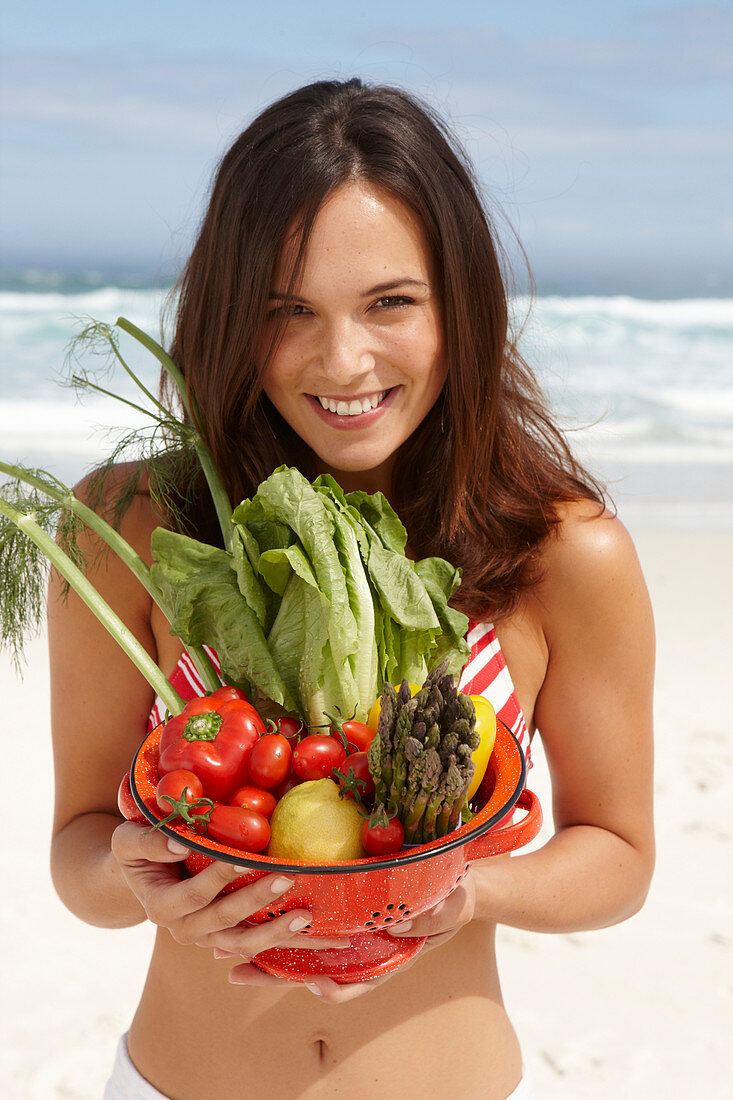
<point x="485" y="674"/>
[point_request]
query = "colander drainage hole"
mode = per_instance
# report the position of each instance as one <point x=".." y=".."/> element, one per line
<point x="402" y="905"/>
<point x="369" y="924"/>
<point x="390" y="905"/>
<point x="376" y="915"/>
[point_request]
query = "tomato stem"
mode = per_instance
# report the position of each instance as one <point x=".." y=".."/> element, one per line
<point x="182" y="809"/>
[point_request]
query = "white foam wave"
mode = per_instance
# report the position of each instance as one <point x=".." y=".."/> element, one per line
<point x="101" y="303"/>
<point x="682" y="312"/>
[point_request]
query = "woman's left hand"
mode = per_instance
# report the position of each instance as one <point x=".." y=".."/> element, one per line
<point x="439" y="924"/>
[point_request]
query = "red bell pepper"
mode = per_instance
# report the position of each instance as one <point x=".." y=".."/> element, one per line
<point x="212" y="738"/>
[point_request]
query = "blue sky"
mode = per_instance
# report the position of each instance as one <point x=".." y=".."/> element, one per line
<point x="600" y="132"/>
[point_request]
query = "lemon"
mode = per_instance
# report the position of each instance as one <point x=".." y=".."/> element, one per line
<point x="312" y="823"/>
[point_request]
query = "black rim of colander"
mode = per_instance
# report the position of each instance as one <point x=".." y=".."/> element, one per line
<point x="371" y="863"/>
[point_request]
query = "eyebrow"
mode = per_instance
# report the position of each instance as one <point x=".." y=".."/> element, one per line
<point x="380" y="288"/>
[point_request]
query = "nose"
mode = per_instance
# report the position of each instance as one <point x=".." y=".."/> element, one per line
<point x="344" y="352"/>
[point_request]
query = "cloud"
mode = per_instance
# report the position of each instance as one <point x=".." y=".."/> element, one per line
<point x="139" y="101"/>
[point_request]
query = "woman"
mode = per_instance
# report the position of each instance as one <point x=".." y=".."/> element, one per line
<point x="344" y="311"/>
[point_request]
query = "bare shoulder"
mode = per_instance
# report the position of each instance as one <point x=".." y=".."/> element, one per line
<point x="136" y="518"/>
<point x="589" y="559"/>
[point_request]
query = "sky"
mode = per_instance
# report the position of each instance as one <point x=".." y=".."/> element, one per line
<point x="601" y="133"/>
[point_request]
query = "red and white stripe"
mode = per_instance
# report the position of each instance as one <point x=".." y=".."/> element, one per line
<point x="485" y="674"/>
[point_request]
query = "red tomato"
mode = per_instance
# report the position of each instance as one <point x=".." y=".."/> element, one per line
<point x="239" y="828"/>
<point x="317" y="755"/>
<point x="172" y="787"/>
<point x="358" y="735"/>
<point x="226" y="693"/>
<point x="291" y="780"/>
<point x="269" y="760"/>
<point x="381" y="840"/>
<point x="358" y="764"/>
<point x="254" y="798"/>
<point x="292" y="728"/>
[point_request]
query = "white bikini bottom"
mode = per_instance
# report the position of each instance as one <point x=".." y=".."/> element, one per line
<point x="126" y="1083"/>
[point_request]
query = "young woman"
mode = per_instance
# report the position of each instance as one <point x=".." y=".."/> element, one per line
<point x="344" y="311"/>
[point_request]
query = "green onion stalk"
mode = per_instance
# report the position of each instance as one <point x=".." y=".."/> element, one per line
<point x="27" y="521"/>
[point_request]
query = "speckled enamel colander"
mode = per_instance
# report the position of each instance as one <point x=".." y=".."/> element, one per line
<point x="359" y="898"/>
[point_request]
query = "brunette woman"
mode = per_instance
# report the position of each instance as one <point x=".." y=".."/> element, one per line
<point x="344" y="311"/>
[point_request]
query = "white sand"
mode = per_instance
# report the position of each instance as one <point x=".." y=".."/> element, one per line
<point x="641" y="1010"/>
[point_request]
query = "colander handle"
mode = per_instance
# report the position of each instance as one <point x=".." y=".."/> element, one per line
<point x="498" y="840"/>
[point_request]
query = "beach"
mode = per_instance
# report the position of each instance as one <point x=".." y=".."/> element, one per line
<point x="638" y="1010"/>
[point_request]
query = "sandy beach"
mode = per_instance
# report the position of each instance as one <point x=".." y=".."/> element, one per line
<point x="639" y="1010"/>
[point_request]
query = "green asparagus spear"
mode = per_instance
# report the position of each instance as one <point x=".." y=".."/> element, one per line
<point x="431" y="770"/>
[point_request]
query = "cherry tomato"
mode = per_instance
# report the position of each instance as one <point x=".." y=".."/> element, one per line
<point x="226" y="693"/>
<point x="291" y="780"/>
<point x="292" y="728"/>
<point x="358" y="763"/>
<point x="254" y="798"/>
<point x="317" y="755"/>
<point x="269" y="760"/>
<point x="358" y="736"/>
<point x="381" y="840"/>
<point x="239" y="828"/>
<point x="172" y="786"/>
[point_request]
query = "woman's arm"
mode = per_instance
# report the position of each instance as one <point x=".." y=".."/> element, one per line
<point x="594" y="715"/>
<point x="99" y="708"/>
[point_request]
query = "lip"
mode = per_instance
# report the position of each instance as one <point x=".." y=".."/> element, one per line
<point x="349" y="423"/>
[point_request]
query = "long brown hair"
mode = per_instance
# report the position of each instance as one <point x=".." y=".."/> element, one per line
<point x="479" y="481"/>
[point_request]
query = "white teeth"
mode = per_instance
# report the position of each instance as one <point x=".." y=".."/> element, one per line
<point x="352" y="408"/>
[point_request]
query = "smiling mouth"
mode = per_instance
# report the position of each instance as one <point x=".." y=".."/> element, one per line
<point x="355" y="406"/>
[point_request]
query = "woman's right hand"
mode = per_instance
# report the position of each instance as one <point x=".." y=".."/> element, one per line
<point x="190" y="907"/>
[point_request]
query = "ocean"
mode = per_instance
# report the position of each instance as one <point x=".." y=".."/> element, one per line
<point x="644" y="388"/>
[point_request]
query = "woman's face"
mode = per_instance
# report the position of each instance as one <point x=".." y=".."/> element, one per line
<point x="360" y="363"/>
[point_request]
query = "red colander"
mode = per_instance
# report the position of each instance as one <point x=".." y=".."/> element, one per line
<point x="359" y="898"/>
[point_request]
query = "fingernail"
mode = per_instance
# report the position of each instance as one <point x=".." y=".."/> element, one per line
<point x="220" y="954"/>
<point x="313" y="989"/>
<point x="297" y="923"/>
<point x="241" y="870"/>
<point x="280" y="885"/>
<point x="177" y="849"/>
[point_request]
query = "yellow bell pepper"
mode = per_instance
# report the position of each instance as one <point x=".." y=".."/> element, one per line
<point x="486" y="729"/>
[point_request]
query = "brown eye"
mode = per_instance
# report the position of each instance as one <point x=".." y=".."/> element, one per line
<point x="393" y="301"/>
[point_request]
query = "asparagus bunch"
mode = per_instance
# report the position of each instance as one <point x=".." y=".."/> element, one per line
<point x="421" y="759"/>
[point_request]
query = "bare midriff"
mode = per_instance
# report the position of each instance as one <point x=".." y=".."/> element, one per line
<point x="436" y="1029"/>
